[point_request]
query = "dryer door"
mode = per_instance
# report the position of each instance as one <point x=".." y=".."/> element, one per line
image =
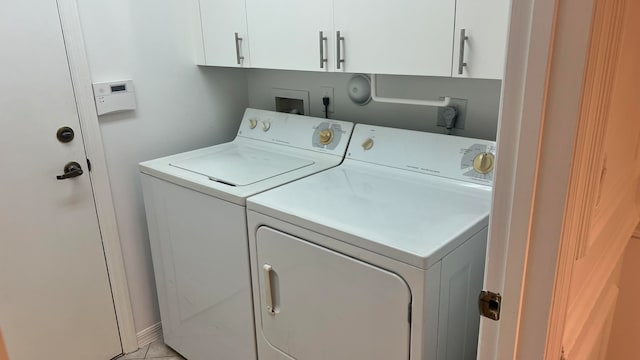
<point x="319" y="304"/>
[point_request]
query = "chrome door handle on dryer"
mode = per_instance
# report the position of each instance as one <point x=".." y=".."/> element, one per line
<point x="268" y="288"/>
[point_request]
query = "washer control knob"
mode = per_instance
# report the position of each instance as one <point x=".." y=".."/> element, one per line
<point x="367" y="144"/>
<point x="483" y="162"/>
<point x="253" y="123"/>
<point x="326" y="136"/>
<point x="266" y="126"/>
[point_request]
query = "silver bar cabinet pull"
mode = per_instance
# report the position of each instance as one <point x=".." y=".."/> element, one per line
<point x="339" y="43"/>
<point x="323" y="58"/>
<point x="238" y="56"/>
<point x="463" y="39"/>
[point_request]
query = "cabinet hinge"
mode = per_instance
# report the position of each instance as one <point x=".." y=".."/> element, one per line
<point x="88" y="164"/>
<point x="490" y="304"/>
<point x="410" y="312"/>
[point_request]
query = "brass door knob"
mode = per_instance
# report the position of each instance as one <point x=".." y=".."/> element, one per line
<point x="326" y="136"/>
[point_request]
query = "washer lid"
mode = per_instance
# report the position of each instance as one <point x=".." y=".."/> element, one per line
<point x="241" y="165"/>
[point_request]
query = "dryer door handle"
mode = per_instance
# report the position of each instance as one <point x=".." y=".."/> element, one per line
<point x="268" y="288"/>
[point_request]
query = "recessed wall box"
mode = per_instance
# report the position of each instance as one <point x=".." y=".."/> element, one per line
<point x="114" y="96"/>
<point x="291" y="101"/>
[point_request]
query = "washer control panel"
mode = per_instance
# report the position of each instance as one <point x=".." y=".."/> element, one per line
<point x="317" y="134"/>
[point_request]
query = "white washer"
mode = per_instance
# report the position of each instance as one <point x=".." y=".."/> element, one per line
<point x="381" y="257"/>
<point x="195" y="205"/>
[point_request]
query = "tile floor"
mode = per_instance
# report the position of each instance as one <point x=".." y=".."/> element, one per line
<point x="157" y="350"/>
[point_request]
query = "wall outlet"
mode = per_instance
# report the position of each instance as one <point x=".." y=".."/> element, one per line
<point x="328" y="92"/>
<point x="461" y="107"/>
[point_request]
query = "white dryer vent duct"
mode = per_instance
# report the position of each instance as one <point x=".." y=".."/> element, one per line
<point x="375" y="97"/>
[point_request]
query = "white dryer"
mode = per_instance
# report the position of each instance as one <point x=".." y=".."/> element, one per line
<point x="381" y="257"/>
<point x="195" y="205"/>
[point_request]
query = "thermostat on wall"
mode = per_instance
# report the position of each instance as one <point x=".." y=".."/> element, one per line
<point x="114" y="96"/>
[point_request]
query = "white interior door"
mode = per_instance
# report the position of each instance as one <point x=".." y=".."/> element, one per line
<point x="55" y="299"/>
<point x="327" y="305"/>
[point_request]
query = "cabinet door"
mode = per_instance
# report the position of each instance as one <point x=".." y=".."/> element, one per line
<point x="327" y="305"/>
<point x="221" y="21"/>
<point x="286" y="34"/>
<point x="411" y="37"/>
<point x="486" y="26"/>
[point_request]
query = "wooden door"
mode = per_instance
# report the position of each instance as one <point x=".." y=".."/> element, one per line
<point x="55" y="298"/>
<point x="604" y="180"/>
<point x="412" y="37"/>
<point x="3" y="349"/>
<point x="563" y="71"/>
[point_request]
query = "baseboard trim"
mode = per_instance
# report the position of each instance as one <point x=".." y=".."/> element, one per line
<point x="149" y="335"/>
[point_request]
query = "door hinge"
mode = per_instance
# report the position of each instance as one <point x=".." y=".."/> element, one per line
<point x="410" y="312"/>
<point x="88" y="165"/>
<point x="490" y="303"/>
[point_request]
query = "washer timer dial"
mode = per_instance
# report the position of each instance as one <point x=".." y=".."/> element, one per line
<point x="326" y="136"/>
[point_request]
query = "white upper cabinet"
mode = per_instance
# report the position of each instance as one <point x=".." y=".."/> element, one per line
<point x="486" y="26"/>
<point x="224" y="33"/>
<point x="285" y="34"/>
<point x="411" y="37"/>
<point x="403" y="37"/>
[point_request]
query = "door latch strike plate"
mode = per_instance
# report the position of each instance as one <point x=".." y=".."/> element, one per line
<point x="490" y="304"/>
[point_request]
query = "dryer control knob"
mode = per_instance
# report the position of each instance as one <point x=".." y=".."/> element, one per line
<point x="483" y="163"/>
<point x="253" y="123"/>
<point x="367" y="144"/>
<point x="266" y="126"/>
<point x="326" y="136"/>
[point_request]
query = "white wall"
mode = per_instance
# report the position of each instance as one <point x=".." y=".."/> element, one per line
<point x="482" y="107"/>
<point x="180" y="107"/>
